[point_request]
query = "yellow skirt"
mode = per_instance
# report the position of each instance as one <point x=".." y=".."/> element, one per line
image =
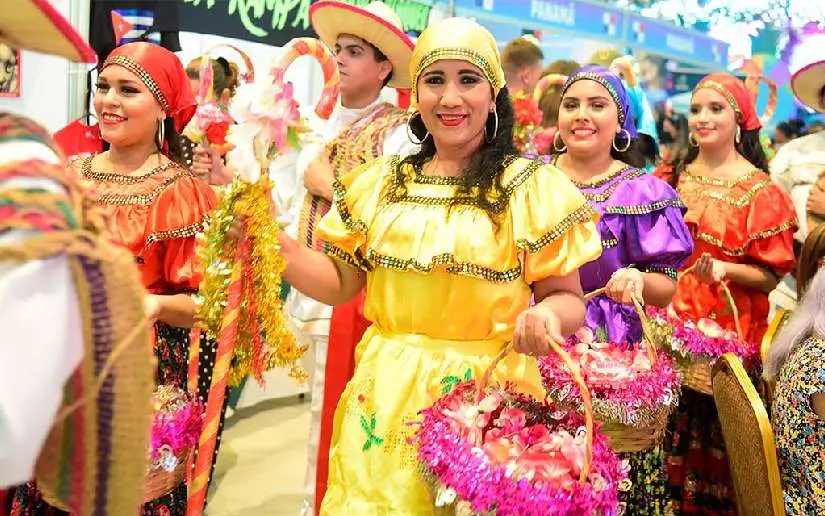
<point x="373" y="469"/>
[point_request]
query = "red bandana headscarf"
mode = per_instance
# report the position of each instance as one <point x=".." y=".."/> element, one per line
<point x="162" y="72"/>
<point x="738" y="96"/>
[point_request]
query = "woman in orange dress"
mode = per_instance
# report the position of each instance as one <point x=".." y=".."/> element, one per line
<point x="743" y="226"/>
<point x="154" y="206"/>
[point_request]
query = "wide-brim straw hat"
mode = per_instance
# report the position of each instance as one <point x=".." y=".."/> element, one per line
<point x="808" y="68"/>
<point x="376" y="24"/>
<point x="36" y="25"/>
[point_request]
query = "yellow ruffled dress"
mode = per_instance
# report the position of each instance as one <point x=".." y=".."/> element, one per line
<point x="444" y="288"/>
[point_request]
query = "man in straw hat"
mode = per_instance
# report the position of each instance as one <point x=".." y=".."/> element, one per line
<point x="800" y="163"/>
<point x="55" y="270"/>
<point x="372" y="51"/>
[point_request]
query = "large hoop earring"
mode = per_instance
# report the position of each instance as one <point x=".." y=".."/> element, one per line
<point x="627" y="145"/>
<point x="161" y="133"/>
<point x="410" y="133"/>
<point x="495" y="130"/>
<point x="738" y="137"/>
<point x="556" y="139"/>
<point x="692" y="140"/>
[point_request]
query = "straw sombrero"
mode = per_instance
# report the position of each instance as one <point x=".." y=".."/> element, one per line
<point x="376" y="23"/>
<point x="808" y="80"/>
<point x="36" y="25"/>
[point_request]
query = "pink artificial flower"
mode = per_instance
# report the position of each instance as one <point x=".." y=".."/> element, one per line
<point x="511" y="420"/>
<point x="473" y="418"/>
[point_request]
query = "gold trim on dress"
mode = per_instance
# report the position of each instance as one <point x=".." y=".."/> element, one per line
<point x="182" y="232"/>
<point x="740" y="251"/>
<point x="140" y="198"/>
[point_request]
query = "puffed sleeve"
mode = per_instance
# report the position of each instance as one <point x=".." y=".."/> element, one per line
<point x="355" y="200"/>
<point x="169" y="255"/>
<point x="770" y="228"/>
<point x="647" y="216"/>
<point x="553" y="224"/>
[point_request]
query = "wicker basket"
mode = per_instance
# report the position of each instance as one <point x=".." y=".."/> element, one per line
<point x="626" y="438"/>
<point x="160" y="482"/>
<point x="696" y="374"/>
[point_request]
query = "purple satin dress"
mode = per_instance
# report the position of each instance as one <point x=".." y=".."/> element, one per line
<point x="641" y="225"/>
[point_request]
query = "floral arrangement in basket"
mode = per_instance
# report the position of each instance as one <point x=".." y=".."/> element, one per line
<point x="493" y="450"/>
<point x="630" y="385"/>
<point x="239" y="298"/>
<point x="696" y="345"/>
<point x="176" y="425"/>
<point x="634" y="388"/>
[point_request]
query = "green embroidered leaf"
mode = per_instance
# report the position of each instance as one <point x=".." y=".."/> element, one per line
<point x="365" y="425"/>
<point x="468" y="375"/>
<point x="377" y="440"/>
<point x="372" y="423"/>
<point x="367" y="445"/>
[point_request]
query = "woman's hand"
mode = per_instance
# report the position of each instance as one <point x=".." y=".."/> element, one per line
<point x="624" y="284"/>
<point x="709" y="270"/>
<point x="533" y="327"/>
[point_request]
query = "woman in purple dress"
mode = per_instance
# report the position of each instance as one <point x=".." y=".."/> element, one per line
<point x="644" y="236"/>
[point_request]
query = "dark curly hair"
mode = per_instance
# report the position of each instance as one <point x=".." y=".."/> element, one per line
<point x="749" y="146"/>
<point x="482" y="176"/>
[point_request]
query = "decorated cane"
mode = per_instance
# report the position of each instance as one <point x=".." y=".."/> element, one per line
<point x="332" y="81"/>
<point x="255" y="267"/>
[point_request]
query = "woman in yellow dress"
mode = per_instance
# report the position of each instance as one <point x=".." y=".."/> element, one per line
<point x="451" y="243"/>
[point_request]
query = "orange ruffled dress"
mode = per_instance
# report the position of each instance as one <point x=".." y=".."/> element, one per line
<point x="745" y="220"/>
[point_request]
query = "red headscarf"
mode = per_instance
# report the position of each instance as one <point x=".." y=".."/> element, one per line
<point x="739" y="97"/>
<point x="162" y="72"/>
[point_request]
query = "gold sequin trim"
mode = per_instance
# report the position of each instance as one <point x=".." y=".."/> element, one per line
<point x="740" y="251"/>
<point x="356" y="260"/>
<point x="610" y="243"/>
<point x="644" y="209"/>
<point x="144" y="199"/>
<point x="733" y="201"/>
<point x="134" y="67"/>
<point x="583" y="214"/>
<point x="108" y="177"/>
<point x="464" y="54"/>
<point x="713" y="85"/>
<point x="670" y="272"/>
<point x="717" y="181"/>
<point x="451" y="265"/>
<point x="604" y="196"/>
<point x="596" y="182"/>
<point x="184" y="232"/>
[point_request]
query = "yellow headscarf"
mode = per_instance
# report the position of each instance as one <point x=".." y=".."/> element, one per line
<point x="456" y="38"/>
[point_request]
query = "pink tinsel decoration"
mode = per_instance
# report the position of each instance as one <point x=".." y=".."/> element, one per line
<point x="625" y="387"/>
<point x="512" y="454"/>
<point x="177" y="422"/>
<point x="705" y="338"/>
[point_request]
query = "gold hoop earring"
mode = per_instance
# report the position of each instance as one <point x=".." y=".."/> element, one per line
<point x="692" y="140"/>
<point x="738" y="137"/>
<point x="627" y="145"/>
<point x="161" y="133"/>
<point x="495" y="130"/>
<point x="410" y="133"/>
<point x="556" y="139"/>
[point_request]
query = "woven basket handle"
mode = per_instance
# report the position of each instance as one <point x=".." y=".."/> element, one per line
<point x="647" y="341"/>
<point x="587" y="401"/>
<point x="728" y="295"/>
